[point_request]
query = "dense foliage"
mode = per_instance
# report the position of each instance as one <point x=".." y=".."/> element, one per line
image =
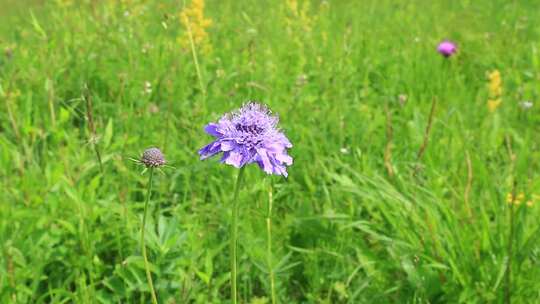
<point x="415" y="177"/>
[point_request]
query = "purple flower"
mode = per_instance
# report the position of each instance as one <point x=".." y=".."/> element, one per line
<point x="447" y="48"/>
<point x="249" y="135"/>
<point x="153" y="158"/>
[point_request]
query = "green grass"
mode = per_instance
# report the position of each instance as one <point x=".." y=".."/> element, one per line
<point x="344" y="230"/>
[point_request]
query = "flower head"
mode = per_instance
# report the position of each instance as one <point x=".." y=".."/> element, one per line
<point x="194" y="21"/>
<point x="494" y="90"/>
<point x="152" y="158"/>
<point x="447" y="48"/>
<point x="249" y="135"/>
<point x="495" y="83"/>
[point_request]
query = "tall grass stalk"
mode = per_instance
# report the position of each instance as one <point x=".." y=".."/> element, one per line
<point x="50" y="100"/>
<point x="508" y="281"/>
<point x="85" y="247"/>
<point x="12" y="118"/>
<point x="269" y="247"/>
<point x="92" y="127"/>
<point x="508" y="277"/>
<point x="196" y="62"/>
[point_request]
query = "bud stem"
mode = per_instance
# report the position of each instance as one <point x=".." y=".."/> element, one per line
<point x="234" y="232"/>
<point x="143" y="246"/>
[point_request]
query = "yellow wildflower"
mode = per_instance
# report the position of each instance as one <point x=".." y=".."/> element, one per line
<point x="193" y="20"/>
<point x="516" y="200"/>
<point x="495" y="90"/>
<point x="298" y="18"/>
<point x="495" y="83"/>
<point x="520" y="198"/>
<point x="493" y="104"/>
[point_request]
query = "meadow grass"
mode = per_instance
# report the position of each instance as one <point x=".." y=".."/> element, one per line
<point x="405" y="187"/>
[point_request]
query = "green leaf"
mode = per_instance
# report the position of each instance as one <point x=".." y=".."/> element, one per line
<point x="108" y="133"/>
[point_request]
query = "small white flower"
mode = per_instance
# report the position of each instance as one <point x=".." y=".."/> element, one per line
<point x="147" y="87"/>
<point x="344" y="150"/>
<point x="526" y="104"/>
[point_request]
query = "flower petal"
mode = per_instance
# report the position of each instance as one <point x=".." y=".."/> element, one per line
<point x="212" y="129"/>
<point x="228" y="145"/>
<point x="284" y="158"/>
<point x="263" y="161"/>
<point x="278" y="168"/>
<point x="210" y="150"/>
<point x="233" y="158"/>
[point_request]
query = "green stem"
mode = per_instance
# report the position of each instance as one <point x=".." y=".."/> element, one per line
<point x="508" y="285"/>
<point x="196" y="61"/>
<point x="143" y="246"/>
<point x="234" y="231"/>
<point x="269" y="247"/>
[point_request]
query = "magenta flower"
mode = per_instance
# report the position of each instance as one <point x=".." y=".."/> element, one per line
<point x="447" y="48"/>
<point x="249" y="135"/>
